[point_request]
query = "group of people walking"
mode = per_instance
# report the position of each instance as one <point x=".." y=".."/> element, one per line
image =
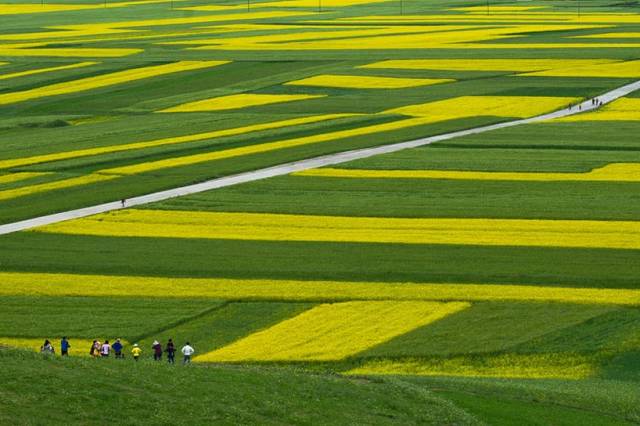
<point x="105" y="349"/>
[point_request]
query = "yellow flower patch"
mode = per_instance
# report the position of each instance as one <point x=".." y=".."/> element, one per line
<point x="105" y="80"/>
<point x="18" y="162"/>
<point x="474" y="106"/>
<point x="283" y="227"/>
<point x="47" y="284"/>
<point x="66" y="52"/>
<point x="366" y="82"/>
<point x="618" y="172"/>
<point x="333" y="332"/>
<point x="623" y="109"/>
<point x="244" y="100"/>
<point x="472" y="64"/>
<point x="20" y="9"/>
<point x="55" y="185"/>
<point x="525" y="366"/>
<point x="628" y="69"/>
<point x="264" y="147"/>
<point x="79" y="347"/>
<point x="16" y="177"/>
<point x="45" y="70"/>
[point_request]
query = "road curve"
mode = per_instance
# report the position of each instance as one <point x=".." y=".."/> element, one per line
<point x="311" y="163"/>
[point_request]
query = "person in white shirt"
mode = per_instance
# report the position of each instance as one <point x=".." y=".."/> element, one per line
<point x="187" y="351"/>
<point x="105" y="349"/>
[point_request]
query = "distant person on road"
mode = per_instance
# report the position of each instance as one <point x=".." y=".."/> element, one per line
<point x="95" y="349"/>
<point x="47" y="348"/>
<point x="136" y="352"/>
<point x="123" y="202"/>
<point x="117" y="349"/>
<point x="105" y="349"/>
<point x="64" y="347"/>
<point x="187" y="351"/>
<point x="157" y="350"/>
<point x="171" y="352"/>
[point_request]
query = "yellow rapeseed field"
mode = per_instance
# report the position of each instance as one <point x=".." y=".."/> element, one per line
<point x="333" y="332"/>
<point x="79" y="347"/>
<point x="264" y="147"/>
<point x="472" y="64"/>
<point x="45" y="70"/>
<point x="55" y="185"/>
<point x="623" y="109"/>
<point x="366" y="82"/>
<point x="628" y="69"/>
<point x="104" y="80"/>
<point x="18" y="162"/>
<point x="19" y="9"/>
<point x="474" y="106"/>
<point x="16" y="177"/>
<point x="243" y="100"/>
<point x="521" y="366"/>
<point x="284" y="227"/>
<point x="50" y="284"/>
<point x="618" y="172"/>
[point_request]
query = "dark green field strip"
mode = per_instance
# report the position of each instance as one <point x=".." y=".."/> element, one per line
<point x="491" y="327"/>
<point x="504" y="411"/>
<point x="94" y="317"/>
<point x="595" y="135"/>
<point x="614" y="332"/>
<point x="598" y="268"/>
<point x="421" y="198"/>
<point x="612" y="398"/>
<point x="437" y="157"/>
<point x="227" y="324"/>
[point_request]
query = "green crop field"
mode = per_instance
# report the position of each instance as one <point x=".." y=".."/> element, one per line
<point x="488" y="278"/>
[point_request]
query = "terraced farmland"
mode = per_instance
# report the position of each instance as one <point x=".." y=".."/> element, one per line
<point x="486" y="278"/>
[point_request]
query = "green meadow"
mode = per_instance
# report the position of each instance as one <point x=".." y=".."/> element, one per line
<point x="453" y="328"/>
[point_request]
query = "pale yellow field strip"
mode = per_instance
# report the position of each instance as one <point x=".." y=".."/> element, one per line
<point x="332" y="332"/>
<point x="18" y="162"/>
<point x="628" y="69"/>
<point x="414" y="38"/>
<point x="105" y="80"/>
<point x="79" y="347"/>
<point x="243" y="100"/>
<point x="45" y="70"/>
<point x="497" y="9"/>
<point x="30" y="8"/>
<point x="623" y="109"/>
<point x="366" y="82"/>
<point x="475" y="106"/>
<point x="617" y="172"/>
<point x="55" y="185"/>
<point x="285" y="227"/>
<point x="16" y="177"/>
<point x="264" y="147"/>
<point x="46" y="284"/>
<point x="515" y="65"/>
<point x="502" y="18"/>
<point x="513" y="366"/>
<point x="65" y="52"/>
<point x="285" y="3"/>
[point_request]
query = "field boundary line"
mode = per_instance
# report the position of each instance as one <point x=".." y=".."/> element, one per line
<point x="310" y="163"/>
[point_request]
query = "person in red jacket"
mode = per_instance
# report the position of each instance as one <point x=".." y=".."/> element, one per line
<point x="171" y="352"/>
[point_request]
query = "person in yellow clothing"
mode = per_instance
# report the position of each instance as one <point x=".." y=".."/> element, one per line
<point x="136" y="351"/>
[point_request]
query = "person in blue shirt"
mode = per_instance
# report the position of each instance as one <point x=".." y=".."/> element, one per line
<point x="117" y="348"/>
<point x="64" y="347"/>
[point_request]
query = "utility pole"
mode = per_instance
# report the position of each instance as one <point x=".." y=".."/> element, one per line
<point x="319" y="6"/>
<point x="248" y="5"/>
<point x="487" y="7"/>
<point x="401" y="7"/>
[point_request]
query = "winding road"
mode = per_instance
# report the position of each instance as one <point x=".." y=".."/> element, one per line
<point x="311" y="163"/>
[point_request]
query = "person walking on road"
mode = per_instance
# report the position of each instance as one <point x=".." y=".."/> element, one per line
<point x="64" y="347"/>
<point x="105" y="349"/>
<point x="136" y="352"/>
<point x="171" y="352"/>
<point x="157" y="350"/>
<point x="187" y="351"/>
<point x="117" y="349"/>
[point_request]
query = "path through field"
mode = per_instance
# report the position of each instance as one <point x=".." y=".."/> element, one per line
<point x="311" y="163"/>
